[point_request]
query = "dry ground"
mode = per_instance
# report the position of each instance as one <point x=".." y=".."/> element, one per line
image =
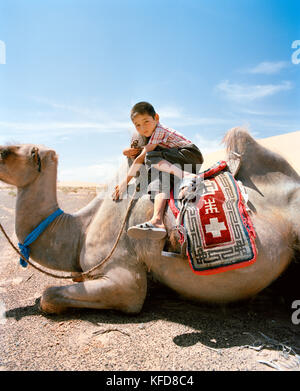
<point x="169" y="334"/>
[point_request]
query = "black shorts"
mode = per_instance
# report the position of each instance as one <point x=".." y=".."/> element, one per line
<point x="188" y="158"/>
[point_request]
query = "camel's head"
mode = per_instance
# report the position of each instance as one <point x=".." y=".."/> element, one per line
<point x="20" y="165"/>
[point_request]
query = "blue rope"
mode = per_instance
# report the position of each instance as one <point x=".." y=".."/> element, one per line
<point x="24" y="248"/>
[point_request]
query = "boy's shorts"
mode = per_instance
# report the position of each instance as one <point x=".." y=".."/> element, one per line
<point x="188" y="158"/>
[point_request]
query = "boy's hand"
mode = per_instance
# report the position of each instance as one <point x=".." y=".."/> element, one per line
<point x="119" y="190"/>
<point x="132" y="152"/>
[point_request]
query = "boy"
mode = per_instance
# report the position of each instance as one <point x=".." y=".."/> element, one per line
<point x="167" y="151"/>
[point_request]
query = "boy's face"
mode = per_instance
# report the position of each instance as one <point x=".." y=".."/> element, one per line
<point x="145" y="124"/>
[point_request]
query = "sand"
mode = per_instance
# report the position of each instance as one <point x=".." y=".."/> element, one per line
<point x="169" y="334"/>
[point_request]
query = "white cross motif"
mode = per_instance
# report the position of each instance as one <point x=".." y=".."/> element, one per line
<point x="215" y="227"/>
<point x="210" y="206"/>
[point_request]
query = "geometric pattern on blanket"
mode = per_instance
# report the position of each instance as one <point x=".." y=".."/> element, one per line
<point x="219" y="232"/>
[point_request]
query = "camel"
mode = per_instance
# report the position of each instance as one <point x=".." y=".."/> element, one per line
<point x="76" y="242"/>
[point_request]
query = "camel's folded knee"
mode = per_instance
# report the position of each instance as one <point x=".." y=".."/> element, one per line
<point x="98" y="294"/>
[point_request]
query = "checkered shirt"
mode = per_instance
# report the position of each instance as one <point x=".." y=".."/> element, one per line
<point x="168" y="138"/>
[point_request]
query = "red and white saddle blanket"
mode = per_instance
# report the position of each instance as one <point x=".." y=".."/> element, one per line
<point x="218" y="229"/>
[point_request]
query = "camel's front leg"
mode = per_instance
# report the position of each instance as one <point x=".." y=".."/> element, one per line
<point x="119" y="289"/>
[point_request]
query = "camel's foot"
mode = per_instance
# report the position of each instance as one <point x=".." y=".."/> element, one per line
<point x="49" y="305"/>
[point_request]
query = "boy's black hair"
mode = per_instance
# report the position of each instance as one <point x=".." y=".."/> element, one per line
<point x="142" y="108"/>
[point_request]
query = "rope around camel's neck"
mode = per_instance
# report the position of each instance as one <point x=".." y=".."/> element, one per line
<point x="89" y="274"/>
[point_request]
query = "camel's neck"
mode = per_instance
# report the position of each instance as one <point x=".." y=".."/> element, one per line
<point x="35" y="202"/>
<point x="57" y="248"/>
<point x="60" y="245"/>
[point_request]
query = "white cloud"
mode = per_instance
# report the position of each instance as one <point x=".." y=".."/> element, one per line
<point x="177" y="118"/>
<point x="59" y="129"/>
<point x="207" y="145"/>
<point x="93" y="122"/>
<point x="91" y="113"/>
<point x="170" y="112"/>
<point x="202" y="121"/>
<point x="268" y="68"/>
<point x="69" y="120"/>
<point x="48" y="125"/>
<point x="97" y="173"/>
<point x="244" y="92"/>
<point x="273" y="113"/>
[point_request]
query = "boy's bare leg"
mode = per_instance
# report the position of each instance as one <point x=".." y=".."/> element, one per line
<point x="166" y="166"/>
<point x="160" y="200"/>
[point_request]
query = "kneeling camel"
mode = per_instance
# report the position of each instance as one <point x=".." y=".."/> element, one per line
<point x="77" y="242"/>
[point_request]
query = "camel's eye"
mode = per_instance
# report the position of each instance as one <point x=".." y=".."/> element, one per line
<point x="5" y="153"/>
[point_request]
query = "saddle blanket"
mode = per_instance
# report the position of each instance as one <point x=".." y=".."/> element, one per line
<point x="218" y="229"/>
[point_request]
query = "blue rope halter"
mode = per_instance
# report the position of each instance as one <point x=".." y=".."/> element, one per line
<point x="24" y="248"/>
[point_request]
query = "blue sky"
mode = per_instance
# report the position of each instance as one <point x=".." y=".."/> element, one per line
<point x="74" y="68"/>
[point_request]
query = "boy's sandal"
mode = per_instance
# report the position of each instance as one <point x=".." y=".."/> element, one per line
<point x="146" y="230"/>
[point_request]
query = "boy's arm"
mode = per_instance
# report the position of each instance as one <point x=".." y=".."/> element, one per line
<point x="132" y="152"/>
<point x="139" y="161"/>
<point x="121" y="188"/>
<point x="137" y="143"/>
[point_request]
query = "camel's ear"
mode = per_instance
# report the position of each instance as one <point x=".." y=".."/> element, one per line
<point x="36" y="157"/>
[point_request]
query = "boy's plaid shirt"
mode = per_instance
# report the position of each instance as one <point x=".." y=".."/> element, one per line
<point x="168" y="138"/>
